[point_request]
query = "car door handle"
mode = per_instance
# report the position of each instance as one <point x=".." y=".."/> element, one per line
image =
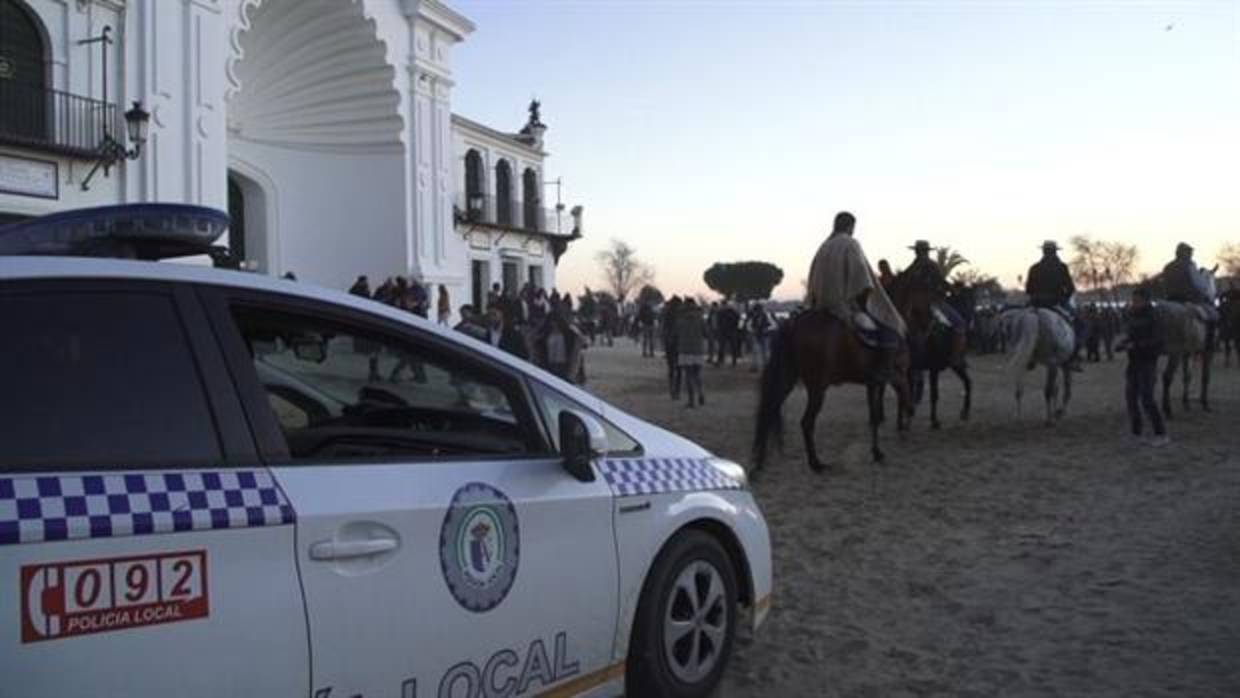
<point x="347" y="549"/>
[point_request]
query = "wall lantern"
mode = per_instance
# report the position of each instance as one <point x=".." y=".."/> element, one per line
<point x="112" y="151"/>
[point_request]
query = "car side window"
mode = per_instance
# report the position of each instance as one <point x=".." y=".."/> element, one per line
<point x="100" y="379"/>
<point x="344" y="392"/>
<point x="552" y="403"/>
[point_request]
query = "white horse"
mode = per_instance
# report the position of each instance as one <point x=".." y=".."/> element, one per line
<point x="1040" y="336"/>
<point x="1187" y="331"/>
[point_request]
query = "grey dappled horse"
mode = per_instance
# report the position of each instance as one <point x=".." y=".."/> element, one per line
<point x="1040" y="336"/>
<point x="1186" y="333"/>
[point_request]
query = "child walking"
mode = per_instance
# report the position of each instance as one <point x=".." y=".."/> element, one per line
<point x="1144" y="344"/>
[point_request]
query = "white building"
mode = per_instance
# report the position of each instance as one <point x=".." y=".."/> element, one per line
<point x="324" y="126"/>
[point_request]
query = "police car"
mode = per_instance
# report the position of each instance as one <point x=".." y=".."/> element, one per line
<point x="215" y="483"/>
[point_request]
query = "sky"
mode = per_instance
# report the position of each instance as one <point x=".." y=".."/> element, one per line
<point x="705" y="131"/>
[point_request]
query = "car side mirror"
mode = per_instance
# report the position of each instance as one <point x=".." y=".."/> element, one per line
<point x="582" y="439"/>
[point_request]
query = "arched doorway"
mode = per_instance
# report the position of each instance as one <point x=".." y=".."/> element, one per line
<point x="531" y="199"/>
<point x="23" y="72"/>
<point x="236" y="212"/>
<point x="250" y="205"/>
<point x="503" y="193"/>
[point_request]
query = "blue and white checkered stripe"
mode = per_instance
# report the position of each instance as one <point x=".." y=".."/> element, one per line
<point x="636" y="476"/>
<point x="39" y="508"/>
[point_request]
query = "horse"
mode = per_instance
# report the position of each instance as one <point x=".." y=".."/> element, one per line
<point x="1040" y="336"/>
<point x="1187" y="333"/>
<point x="819" y="350"/>
<point x="935" y="346"/>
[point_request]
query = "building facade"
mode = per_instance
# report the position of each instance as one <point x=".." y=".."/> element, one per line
<point x="325" y="128"/>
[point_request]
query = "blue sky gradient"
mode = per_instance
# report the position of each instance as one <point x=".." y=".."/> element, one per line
<point x="721" y="131"/>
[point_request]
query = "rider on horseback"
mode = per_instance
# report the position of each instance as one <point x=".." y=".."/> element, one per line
<point x="1183" y="282"/>
<point x="924" y="274"/>
<point x="842" y="282"/>
<point x="1049" y="285"/>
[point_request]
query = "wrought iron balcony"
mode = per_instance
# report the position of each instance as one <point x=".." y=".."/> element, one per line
<point x="516" y="215"/>
<point x="35" y="117"/>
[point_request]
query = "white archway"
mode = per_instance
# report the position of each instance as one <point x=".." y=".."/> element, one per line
<point x="314" y="113"/>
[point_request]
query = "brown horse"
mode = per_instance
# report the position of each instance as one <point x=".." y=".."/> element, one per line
<point x="934" y="347"/>
<point x="818" y="350"/>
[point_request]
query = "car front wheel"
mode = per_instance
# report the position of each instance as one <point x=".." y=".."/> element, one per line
<point x="686" y="620"/>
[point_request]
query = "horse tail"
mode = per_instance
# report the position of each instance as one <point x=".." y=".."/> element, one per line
<point x="778" y="377"/>
<point x="1025" y="327"/>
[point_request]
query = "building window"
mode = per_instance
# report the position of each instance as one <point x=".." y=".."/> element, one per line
<point x="473" y="185"/>
<point x="503" y="192"/>
<point x="23" y="72"/>
<point x="533" y="199"/>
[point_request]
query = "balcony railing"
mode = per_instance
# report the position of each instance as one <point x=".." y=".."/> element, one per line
<point x="512" y="214"/>
<point x="39" y="118"/>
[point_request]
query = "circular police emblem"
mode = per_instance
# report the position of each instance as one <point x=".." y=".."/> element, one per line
<point x="479" y="547"/>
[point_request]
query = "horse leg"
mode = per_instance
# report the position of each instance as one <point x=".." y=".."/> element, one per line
<point x="1050" y="392"/>
<point x="1067" y="393"/>
<point x="1206" y="359"/>
<point x="1186" y="380"/>
<point x="813" y="406"/>
<point x="874" y="393"/>
<point x="963" y="372"/>
<point x="1167" y="378"/>
<point x="934" y="400"/>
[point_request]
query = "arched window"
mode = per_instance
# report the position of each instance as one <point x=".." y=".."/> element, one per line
<point x="23" y="72"/>
<point x="532" y="199"/>
<point x="474" y="202"/>
<point x="503" y="193"/>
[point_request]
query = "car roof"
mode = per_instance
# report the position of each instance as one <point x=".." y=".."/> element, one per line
<point x="14" y="268"/>
<point x="36" y="267"/>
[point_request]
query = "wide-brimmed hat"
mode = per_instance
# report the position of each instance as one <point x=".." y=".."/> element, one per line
<point x="1050" y="245"/>
<point x="921" y="245"/>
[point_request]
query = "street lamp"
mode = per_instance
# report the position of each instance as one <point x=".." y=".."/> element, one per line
<point x="112" y="151"/>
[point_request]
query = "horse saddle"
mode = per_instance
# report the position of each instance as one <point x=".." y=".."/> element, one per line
<point x="872" y="334"/>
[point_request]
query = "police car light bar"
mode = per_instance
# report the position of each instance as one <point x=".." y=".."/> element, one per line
<point x="130" y="231"/>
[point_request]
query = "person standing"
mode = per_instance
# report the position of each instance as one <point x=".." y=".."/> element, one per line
<point x="1144" y="346"/>
<point x="361" y="287"/>
<point x="671" y="346"/>
<point x="691" y="347"/>
<point x="760" y="325"/>
<point x="645" y="321"/>
<point x="445" y="306"/>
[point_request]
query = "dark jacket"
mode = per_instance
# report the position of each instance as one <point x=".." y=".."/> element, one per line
<point x="924" y="274"/>
<point x="1178" y="282"/>
<point x="1145" y="342"/>
<point x="1049" y="283"/>
<point x="691" y="331"/>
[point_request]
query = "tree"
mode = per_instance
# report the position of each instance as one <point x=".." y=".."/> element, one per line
<point x="743" y="281"/>
<point x="949" y="259"/>
<point x="622" y="270"/>
<point x="1095" y="262"/>
<point x="649" y="295"/>
<point x="1229" y="259"/>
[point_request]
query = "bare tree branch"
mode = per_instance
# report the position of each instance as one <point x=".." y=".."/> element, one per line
<point x="622" y="270"/>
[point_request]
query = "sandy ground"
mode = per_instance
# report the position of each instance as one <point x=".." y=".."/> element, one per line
<point x="996" y="557"/>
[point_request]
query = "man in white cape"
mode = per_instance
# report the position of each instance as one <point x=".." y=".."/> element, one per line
<point x="842" y="282"/>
